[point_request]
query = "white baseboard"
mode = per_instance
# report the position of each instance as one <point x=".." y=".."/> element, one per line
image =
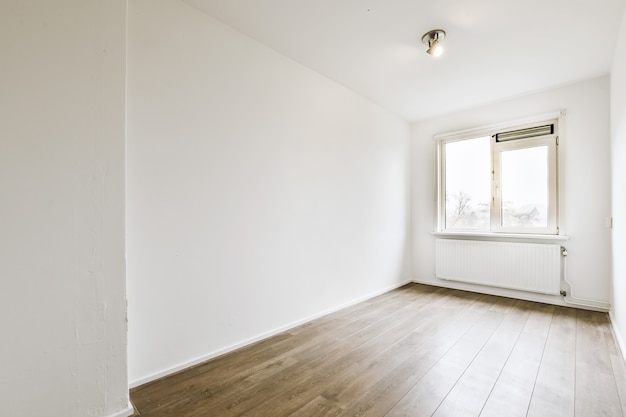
<point x="255" y="339"/>
<point x="127" y="412"/>
<point x="521" y="295"/>
<point x="618" y="336"/>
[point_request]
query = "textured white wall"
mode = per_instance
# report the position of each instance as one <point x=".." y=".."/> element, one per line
<point x="584" y="184"/>
<point x="618" y="176"/>
<point x="260" y="193"/>
<point x="62" y="272"/>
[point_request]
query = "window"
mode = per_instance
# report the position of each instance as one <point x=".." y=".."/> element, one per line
<point x="499" y="180"/>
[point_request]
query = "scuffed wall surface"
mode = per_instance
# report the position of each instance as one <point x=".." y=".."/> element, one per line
<point x="62" y="269"/>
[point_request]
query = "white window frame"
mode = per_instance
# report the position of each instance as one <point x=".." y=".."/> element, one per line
<point x="552" y="143"/>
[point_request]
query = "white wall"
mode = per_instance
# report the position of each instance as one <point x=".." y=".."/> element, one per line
<point x="62" y="272"/>
<point x="260" y="193"/>
<point x="585" y="180"/>
<point x="618" y="175"/>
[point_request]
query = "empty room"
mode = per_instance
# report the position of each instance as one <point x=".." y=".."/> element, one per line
<point x="313" y="208"/>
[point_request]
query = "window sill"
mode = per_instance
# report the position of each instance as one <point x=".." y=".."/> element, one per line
<point x="502" y="236"/>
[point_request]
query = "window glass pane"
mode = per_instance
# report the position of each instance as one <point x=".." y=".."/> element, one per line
<point x="468" y="184"/>
<point x="524" y="187"/>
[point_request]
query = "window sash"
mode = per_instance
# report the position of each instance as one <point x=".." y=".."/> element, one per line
<point x="497" y="215"/>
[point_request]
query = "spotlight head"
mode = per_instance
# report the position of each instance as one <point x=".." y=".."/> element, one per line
<point x="435" y="48"/>
<point x="433" y="40"/>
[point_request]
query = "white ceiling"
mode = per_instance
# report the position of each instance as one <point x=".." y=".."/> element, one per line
<point x="495" y="49"/>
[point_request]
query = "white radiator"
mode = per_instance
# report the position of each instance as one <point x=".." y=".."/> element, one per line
<point x="519" y="266"/>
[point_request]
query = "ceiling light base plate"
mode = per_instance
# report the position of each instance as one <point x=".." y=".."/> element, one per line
<point x="436" y="34"/>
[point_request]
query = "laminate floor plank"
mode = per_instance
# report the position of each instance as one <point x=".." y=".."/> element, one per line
<point x="377" y="367"/>
<point x="554" y="390"/>
<point x="385" y="394"/>
<point x="318" y="407"/>
<point x="596" y="391"/>
<point x="426" y="396"/>
<point x="513" y="390"/>
<point x="617" y="364"/>
<point x="619" y="370"/>
<point x="470" y="393"/>
<point x="415" y="351"/>
<point x="353" y="363"/>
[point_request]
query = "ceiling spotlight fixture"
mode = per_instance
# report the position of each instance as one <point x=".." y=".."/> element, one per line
<point x="433" y="40"/>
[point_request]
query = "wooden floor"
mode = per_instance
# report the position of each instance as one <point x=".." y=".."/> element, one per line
<point x="417" y="351"/>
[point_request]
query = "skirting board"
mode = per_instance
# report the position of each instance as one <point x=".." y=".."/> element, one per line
<point x="252" y="340"/>
<point x="127" y="412"/>
<point x="522" y="295"/>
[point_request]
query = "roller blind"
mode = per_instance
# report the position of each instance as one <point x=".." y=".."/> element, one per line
<point x="525" y="133"/>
